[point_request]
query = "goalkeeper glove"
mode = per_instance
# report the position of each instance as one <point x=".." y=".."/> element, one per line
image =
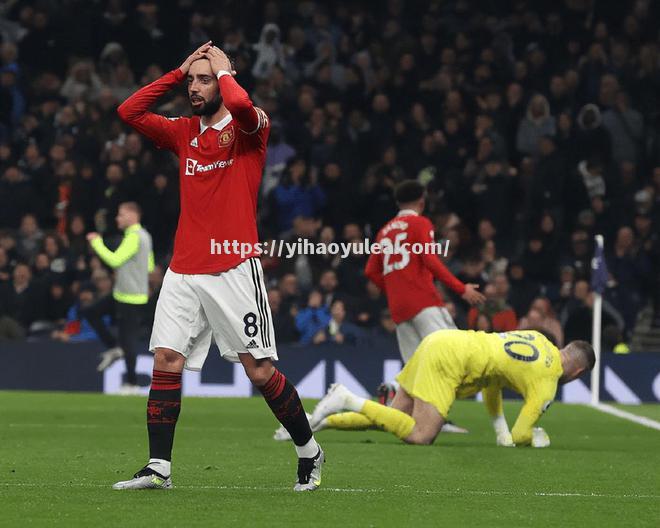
<point x="505" y="440"/>
<point x="540" y="438"/>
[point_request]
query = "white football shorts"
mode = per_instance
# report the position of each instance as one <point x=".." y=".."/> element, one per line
<point x="231" y="307"/>
<point x="410" y="333"/>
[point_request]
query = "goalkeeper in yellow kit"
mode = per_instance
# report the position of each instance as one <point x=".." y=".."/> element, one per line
<point x="450" y="364"/>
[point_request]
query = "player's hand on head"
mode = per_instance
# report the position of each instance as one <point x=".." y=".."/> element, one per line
<point x="471" y="295"/>
<point x="92" y="236"/>
<point x="219" y="60"/>
<point x="195" y="55"/>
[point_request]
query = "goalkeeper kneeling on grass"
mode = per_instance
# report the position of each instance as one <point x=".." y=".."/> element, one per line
<point x="451" y="364"/>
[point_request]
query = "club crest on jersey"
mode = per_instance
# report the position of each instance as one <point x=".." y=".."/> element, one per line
<point x="194" y="142"/>
<point x="226" y="137"/>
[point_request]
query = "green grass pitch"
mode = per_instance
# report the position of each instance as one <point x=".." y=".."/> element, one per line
<point x="59" y="454"/>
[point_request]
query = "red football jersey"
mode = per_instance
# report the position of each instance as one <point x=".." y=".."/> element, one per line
<point x="404" y="276"/>
<point x="220" y="169"/>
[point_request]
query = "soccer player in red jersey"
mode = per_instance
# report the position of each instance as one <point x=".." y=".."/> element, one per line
<point x="407" y="277"/>
<point x="209" y="292"/>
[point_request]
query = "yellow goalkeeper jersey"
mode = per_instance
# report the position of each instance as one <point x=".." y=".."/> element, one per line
<point x="459" y="363"/>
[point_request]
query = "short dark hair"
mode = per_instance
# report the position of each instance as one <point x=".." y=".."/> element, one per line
<point x="408" y="191"/>
<point x="585" y="352"/>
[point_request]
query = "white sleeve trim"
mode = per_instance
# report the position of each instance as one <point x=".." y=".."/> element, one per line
<point x="222" y="73"/>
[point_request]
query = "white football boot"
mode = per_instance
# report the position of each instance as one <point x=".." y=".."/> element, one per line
<point x="309" y="472"/>
<point x="335" y="401"/>
<point x="109" y="357"/>
<point x="146" y="478"/>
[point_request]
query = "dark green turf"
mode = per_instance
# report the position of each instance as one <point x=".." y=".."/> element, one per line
<point x="59" y="454"/>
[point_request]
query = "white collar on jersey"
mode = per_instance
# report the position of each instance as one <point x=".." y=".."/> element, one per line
<point x="405" y="212"/>
<point x="217" y="126"/>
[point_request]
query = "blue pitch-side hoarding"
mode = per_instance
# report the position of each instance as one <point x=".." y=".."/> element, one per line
<point x="632" y="378"/>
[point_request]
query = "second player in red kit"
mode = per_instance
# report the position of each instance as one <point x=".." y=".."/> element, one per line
<point x="407" y="277"/>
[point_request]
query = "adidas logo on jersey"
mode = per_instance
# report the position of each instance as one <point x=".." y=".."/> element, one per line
<point x="252" y="344"/>
<point x="194" y="143"/>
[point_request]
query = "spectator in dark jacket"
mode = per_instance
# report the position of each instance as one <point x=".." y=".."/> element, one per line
<point x="19" y="298"/>
<point x="16" y="197"/>
<point x="29" y="237"/>
<point x="540" y="261"/>
<point x="537" y="123"/>
<point x="283" y="321"/>
<point x="628" y="266"/>
<point x="549" y="177"/>
<point x="593" y="140"/>
<point x="577" y="315"/>
<point x="522" y="290"/>
<point x="626" y="128"/>
<point x="76" y="328"/>
<point x="578" y="254"/>
<point x="57" y="302"/>
<point x="339" y="330"/>
<point x="370" y="308"/>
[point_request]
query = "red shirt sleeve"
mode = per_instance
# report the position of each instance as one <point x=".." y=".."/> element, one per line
<point x="250" y="119"/>
<point x="433" y="263"/>
<point x="134" y="112"/>
<point x="374" y="270"/>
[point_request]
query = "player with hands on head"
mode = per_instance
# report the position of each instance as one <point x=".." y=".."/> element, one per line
<point x="209" y="294"/>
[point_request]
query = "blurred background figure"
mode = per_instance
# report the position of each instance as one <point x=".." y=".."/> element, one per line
<point x="133" y="260"/>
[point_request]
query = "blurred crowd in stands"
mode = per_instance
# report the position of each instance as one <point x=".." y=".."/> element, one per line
<point x="533" y="124"/>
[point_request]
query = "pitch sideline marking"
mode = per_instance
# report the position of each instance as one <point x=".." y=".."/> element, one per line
<point x="641" y="420"/>
<point x="446" y="493"/>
